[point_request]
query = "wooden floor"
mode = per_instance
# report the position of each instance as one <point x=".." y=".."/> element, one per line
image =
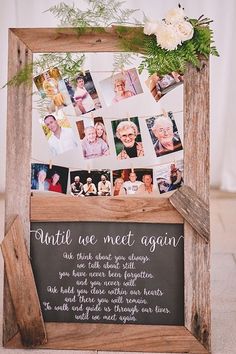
<point x="223" y="276"/>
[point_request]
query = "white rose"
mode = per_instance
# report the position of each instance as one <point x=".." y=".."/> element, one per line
<point x="167" y="37"/>
<point x="175" y="16"/>
<point x="185" y="30"/>
<point x="150" y="27"/>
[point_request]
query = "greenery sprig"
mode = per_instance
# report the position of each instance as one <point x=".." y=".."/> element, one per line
<point x="98" y="14"/>
<point x="166" y="46"/>
<point x="69" y="65"/>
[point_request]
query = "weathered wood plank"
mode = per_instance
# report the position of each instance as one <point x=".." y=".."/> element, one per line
<point x="196" y="176"/>
<point x="40" y="40"/>
<point x="193" y="209"/>
<point x="22" y="287"/>
<point x="17" y="157"/>
<point x="143" y="338"/>
<point x="69" y="208"/>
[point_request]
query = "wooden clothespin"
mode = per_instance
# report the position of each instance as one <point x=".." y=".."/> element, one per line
<point x="50" y="164"/>
<point x="164" y="113"/>
<point x="128" y="116"/>
<point x="82" y="70"/>
<point x="88" y="168"/>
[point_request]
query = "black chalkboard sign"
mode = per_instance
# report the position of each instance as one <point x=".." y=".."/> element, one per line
<point x="106" y="272"/>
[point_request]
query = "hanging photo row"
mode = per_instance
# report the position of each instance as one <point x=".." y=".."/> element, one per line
<point x="82" y="183"/>
<point x="127" y="136"/>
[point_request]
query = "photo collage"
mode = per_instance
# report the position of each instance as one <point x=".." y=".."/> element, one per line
<point x="94" y="136"/>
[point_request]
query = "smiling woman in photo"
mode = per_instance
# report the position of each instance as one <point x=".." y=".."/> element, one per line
<point x="127" y="132"/>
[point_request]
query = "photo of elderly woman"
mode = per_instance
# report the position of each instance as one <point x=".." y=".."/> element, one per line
<point x="121" y="86"/>
<point x="83" y="93"/>
<point x="90" y="183"/>
<point x="93" y="137"/>
<point x="164" y="134"/>
<point x="127" y="138"/>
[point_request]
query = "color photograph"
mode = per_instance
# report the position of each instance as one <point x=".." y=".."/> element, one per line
<point x="132" y="181"/>
<point x="83" y="93"/>
<point x="161" y="85"/>
<point x="44" y="178"/>
<point x="169" y="177"/>
<point x="121" y="86"/>
<point x="164" y="134"/>
<point x="52" y="88"/>
<point x="93" y="137"/>
<point x="90" y="183"/>
<point x="58" y="131"/>
<point x="127" y="138"/>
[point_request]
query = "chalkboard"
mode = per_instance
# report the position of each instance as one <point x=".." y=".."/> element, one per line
<point x="106" y="272"/>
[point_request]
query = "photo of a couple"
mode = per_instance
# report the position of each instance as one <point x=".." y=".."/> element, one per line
<point x="93" y="137"/>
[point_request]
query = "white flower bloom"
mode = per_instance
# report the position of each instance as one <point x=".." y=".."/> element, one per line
<point x="175" y="16"/>
<point x="167" y="36"/>
<point x="185" y="30"/>
<point x="150" y="27"/>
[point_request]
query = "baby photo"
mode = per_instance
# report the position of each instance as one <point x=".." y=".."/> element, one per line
<point x="52" y="179"/>
<point x="127" y="137"/>
<point x="52" y="88"/>
<point x="169" y="177"/>
<point x="121" y="86"/>
<point x="93" y="137"/>
<point x="164" y="134"/>
<point x="160" y="85"/>
<point x="59" y="133"/>
<point x="130" y="181"/>
<point x="90" y="183"/>
<point x="83" y="93"/>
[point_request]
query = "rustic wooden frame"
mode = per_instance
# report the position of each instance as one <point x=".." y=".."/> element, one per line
<point x="194" y="337"/>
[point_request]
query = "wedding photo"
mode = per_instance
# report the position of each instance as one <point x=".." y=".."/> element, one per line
<point x="52" y="88"/>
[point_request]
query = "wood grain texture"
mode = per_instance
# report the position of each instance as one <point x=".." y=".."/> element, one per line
<point x="174" y="339"/>
<point x="22" y="287"/>
<point x="193" y="209"/>
<point x="18" y="154"/>
<point x="68" y="208"/>
<point x="196" y="176"/>
<point x="40" y="40"/>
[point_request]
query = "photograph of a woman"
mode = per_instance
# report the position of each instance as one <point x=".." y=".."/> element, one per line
<point x="121" y="86"/>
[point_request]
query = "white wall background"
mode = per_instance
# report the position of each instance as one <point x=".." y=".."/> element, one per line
<point x="29" y="13"/>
